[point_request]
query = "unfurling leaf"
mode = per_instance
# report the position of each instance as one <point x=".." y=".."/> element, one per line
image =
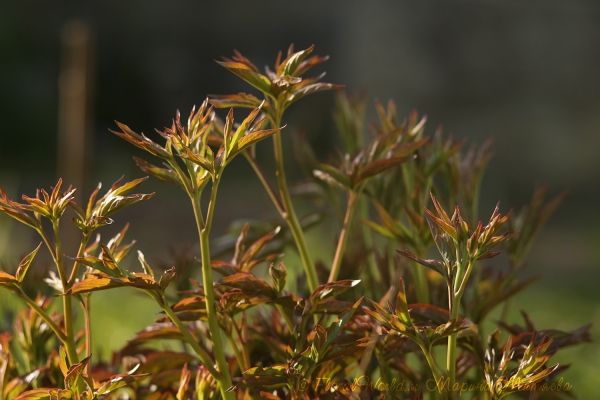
<point x="166" y="278"/>
<point x="278" y="276"/>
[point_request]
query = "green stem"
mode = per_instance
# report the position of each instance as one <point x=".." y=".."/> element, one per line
<point x="462" y="276"/>
<point x="421" y="282"/>
<point x="435" y="371"/>
<point x="39" y="311"/>
<point x="243" y="342"/>
<point x="56" y="253"/>
<point x="451" y="355"/>
<point x="80" y="253"/>
<point x="238" y="356"/>
<point x="341" y="246"/>
<point x="371" y="271"/>
<point x="224" y="379"/>
<point x="189" y="338"/>
<point x="286" y="317"/>
<point x="88" y="326"/>
<point x="70" y="345"/>
<point x="265" y="182"/>
<point x="289" y="212"/>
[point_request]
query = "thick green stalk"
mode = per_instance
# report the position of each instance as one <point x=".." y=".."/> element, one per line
<point x="343" y="240"/>
<point x="67" y="299"/>
<point x="224" y="379"/>
<point x="462" y="276"/>
<point x="451" y="355"/>
<point x="289" y="212"/>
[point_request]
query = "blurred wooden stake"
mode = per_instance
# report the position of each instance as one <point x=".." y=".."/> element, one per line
<point x="75" y="88"/>
<point x="73" y="101"/>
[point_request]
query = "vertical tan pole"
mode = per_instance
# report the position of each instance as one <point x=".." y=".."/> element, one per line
<point x="75" y="88"/>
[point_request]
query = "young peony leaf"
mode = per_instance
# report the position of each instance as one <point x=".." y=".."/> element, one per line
<point x="278" y="276"/>
<point x="250" y="139"/>
<point x="7" y="278"/>
<point x="117" y="382"/>
<point x="434" y="265"/>
<point x="251" y="76"/>
<point x="140" y="281"/>
<point x="75" y="371"/>
<point x="331" y="289"/>
<point x="292" y="62"/>
<point x="166" y="278"/>
<point x="164" y="174"/>
<point x="240" y="100"/>
<point x="45" y="394"/>
<point x="376" y="167"/>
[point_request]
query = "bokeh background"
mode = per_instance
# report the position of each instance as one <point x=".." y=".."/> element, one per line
<point x="526" y="74"/>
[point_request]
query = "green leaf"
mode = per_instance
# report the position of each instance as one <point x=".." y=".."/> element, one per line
<point x="336" y="327"/>
<point x="145" y="265"/>
<point x="250" y="139"/>
<point x="7" y="278"/>
<point x="119" y="381"/>
<point x="332" y="289"/>
<point x="45" y="394"/>
<point x="379" y="166"/>
<point x="249" y="283"/>
<point x="24" y="265"/>
<point x="402" y="306"/>
<point x="109" y="262"/>
<point x="241" y="100"/>
<point x="75" y="372"/>
<point x="96" y="263"/>
<point x="243" y="128"/>
<point x="291" y="63"/>
<point x="278" y="276"/>
<point x="435" y="265"/>
<point x="332" y="176"/>
<point x="197" y="159"/>
<point x="257" y="80"/>
<point x="164" y="174"/>
<point x="304" y="91"/>
<point x="166" y="278"/>
<point x="101" y="283"/>
<point x="21" y="217"/>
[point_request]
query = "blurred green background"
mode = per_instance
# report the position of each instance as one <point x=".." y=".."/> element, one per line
<point x="524" y="73"/>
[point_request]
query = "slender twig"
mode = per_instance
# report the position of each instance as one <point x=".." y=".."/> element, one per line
<point x="341" y="246"/>
<point x="238" y="356"/>
<point x="43" y="315"/>
<point x="86" y="305"/>
<point x="243" y="342"/>
<point x="371" y="270"/>
<point x="189" y="338"/>
<point x="80" y="253"/>
<point x="265" y="181"/>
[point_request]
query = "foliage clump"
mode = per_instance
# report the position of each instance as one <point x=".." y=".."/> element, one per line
<point x="382" y="321"/>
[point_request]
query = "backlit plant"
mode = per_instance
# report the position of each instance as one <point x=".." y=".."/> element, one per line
<point x="382" y="321"/>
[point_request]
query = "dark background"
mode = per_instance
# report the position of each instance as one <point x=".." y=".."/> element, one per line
<point x="525" y="73"/>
